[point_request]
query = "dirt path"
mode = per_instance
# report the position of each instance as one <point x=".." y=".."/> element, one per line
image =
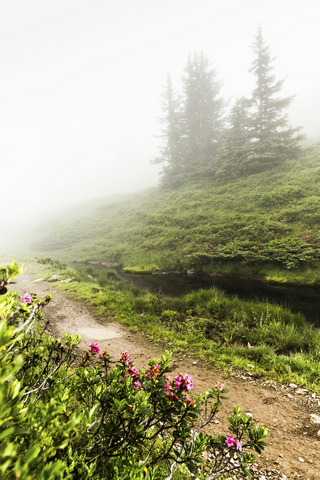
<point x="294" y="441"/>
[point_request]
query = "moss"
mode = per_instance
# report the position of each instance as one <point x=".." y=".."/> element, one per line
<point x="146" y="270"/>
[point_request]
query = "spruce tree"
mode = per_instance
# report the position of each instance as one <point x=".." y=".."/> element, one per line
<point x="236" y="141"/>
<point x="202" y="115"/>
<point x="272" y="139"/>
<point x="171" y="151"/>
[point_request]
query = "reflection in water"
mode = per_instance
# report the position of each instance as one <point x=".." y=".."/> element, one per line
<point x="298" y="298"/>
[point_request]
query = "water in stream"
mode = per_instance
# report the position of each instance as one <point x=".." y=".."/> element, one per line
<point x="298" y="298"/>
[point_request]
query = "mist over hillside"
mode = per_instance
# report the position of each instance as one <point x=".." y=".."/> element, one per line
<point x="82" y="85"/>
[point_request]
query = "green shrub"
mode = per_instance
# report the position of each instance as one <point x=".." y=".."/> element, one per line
<point x="90" y="421"/>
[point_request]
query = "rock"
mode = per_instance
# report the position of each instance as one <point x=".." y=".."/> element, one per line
<point x="301" y="459"/>
<point x="194" y="363"/>
<point x="318" y="433"/>
<point x="289" y="396"/>
<point x="315" y="418"/>
<point x="262" y="477"/>
<point x="302" y="391"/>
<point x="293" y="385"/>
<point x="248" y="413"/>
<point x="191" y="271"/>
<point x="38" y="280"/>
<point x="66" y="281"/>
<point x="54" y="278"/>
<point x="249" y="345"/>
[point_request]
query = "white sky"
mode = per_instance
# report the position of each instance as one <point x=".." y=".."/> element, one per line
<point x="81" y="82"/>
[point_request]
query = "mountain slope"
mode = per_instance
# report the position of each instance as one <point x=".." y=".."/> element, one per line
<point x="268" y="217"/>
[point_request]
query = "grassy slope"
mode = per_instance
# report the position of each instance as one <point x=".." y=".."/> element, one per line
<point x="163" y="227"/>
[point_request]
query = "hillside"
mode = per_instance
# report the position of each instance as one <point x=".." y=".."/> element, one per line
<point x="248" y="224"/>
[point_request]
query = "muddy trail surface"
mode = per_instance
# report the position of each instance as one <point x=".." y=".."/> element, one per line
<point x="294" y="439"/>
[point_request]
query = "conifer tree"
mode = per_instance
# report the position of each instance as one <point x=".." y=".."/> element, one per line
<point x="236" y="141"/>
<point x="272" y="138"/>
<point x="171" y="151"/>
<point x="202" y="115"/>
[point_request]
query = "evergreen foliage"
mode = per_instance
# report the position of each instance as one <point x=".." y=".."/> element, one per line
<point x="202" y="114"/>
<point x="192" y="123"/>
<point x="236" y="141"/>
<point x="198" y="141"/>
<point x="273" y="139"/>
<point x="171" y="152"/>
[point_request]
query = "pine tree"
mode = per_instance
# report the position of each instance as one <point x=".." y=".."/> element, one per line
<point x="273" y="139"/>
<point x="171" y="152"/>
<point x="202" y="115"/>
<point x="236" y="141"/>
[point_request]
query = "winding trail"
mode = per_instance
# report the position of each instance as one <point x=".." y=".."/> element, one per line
<point x="284" y="411"/>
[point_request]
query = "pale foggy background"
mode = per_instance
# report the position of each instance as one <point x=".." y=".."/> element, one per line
<point x="81" y="82"/>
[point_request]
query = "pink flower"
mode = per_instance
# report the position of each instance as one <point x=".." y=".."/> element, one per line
<point x="168" y="386"/>
<point x="94" y="347"/>
<point x="184" y="382"/>
<point x="26" y="298"/>
<point x="239" y="446"/>
<point x="125" y="357"/>
<point x="133" y="371"/>
<point x="220" y="386"/>
<point x="137" y="385"/>
<point x="231" y="441"/>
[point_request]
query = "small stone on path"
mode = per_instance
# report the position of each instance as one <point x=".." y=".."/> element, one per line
<point x="314" y="418"/>
<point x="54" y="278"/>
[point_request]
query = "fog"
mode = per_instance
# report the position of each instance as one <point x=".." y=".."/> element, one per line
<point x="81" y="83"/>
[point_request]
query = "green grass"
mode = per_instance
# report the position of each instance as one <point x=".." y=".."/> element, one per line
<point x="208" y="325"/>
<point x="266" y="224"/>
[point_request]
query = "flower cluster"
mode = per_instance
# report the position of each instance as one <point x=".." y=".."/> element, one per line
<point x="183" y="382"/>
<point x="125" y="357"/>
<point x="132" y="371"/>
<point x="104" y="354"/>
<point x="26" y="298"/>
<point x="219" y="386"/>
<point x="154" y="372"/>
<point x="232" y="442"/>
<point x="94" y="348"/>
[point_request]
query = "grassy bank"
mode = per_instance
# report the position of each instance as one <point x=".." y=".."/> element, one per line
<point x="206" y="324"/>
<point x="266" y="224"/>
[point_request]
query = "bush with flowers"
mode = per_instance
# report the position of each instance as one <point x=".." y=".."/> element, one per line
<point x="95" y="418"/>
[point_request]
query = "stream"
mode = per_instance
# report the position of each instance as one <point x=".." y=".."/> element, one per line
<point x="298" y="298"/>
